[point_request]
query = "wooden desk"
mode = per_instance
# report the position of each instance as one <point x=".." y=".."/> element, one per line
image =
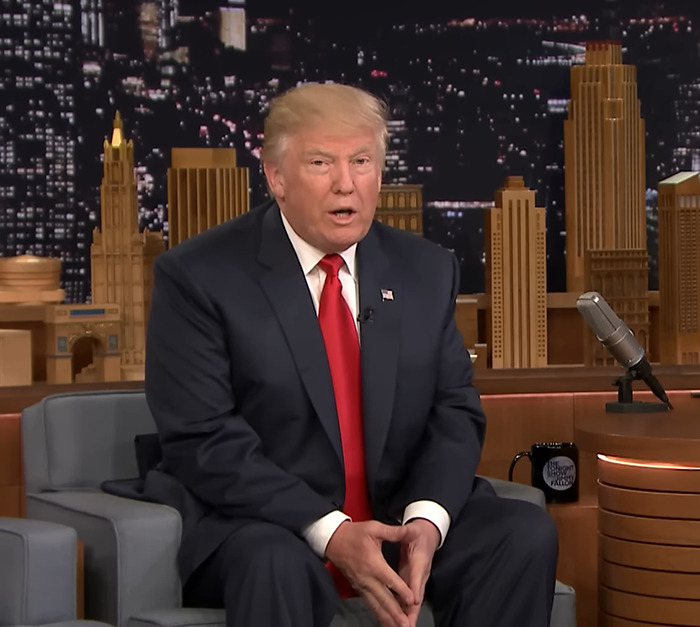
<point x="11" y="476"/>
<point x="577" y="525"/>
<point x="649" y="511"/>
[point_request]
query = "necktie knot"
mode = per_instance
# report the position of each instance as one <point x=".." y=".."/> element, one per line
<point x="331" y="264"/>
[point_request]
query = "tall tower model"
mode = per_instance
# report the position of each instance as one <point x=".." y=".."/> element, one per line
<point x="679" y="268"/>
<point x="516" y="278"/>
<point x="122" y="257"/>
<point x="401" y="206"/>
<point x="603" y="160"/>
<point x="205" y="188"/>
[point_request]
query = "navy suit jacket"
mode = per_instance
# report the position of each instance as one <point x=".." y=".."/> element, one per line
<point x="238" y="382"/>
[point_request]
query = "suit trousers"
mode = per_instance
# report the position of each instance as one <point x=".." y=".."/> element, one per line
<point x="497" y="567"/>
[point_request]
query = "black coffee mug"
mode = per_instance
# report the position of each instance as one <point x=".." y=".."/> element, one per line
<point x="554" y="470"/>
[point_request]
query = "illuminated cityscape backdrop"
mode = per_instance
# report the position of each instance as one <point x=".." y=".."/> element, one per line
<point x="474" y="97"/>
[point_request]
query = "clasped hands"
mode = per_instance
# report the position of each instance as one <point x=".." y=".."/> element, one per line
<point x="395" y="598"/>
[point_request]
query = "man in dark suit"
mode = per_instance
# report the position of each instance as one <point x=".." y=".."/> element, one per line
<point x="314" y="402"/>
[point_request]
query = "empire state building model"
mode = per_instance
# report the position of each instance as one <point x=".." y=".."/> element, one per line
<point x="606" y="248"/>
<point x="604" y="161"/>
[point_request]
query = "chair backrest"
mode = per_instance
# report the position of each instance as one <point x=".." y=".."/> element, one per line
<point x="78" y="440"/>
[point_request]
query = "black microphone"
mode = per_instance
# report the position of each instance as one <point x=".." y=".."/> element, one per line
<point x="367" y="315"/>
<point x="617" y="337"/>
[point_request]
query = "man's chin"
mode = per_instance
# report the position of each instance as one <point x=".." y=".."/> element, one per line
<point x="343" y="242"/>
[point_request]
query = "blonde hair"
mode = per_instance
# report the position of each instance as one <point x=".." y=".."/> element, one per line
<point x="322" y="104"/>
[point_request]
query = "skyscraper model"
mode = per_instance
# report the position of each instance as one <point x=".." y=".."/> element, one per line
<point x="121" y="256"/>
<point x="604" y="160"/>
<point x="516" y="278"/>
<point x="679" y="268"/>
<point x="205" y="188"/>
<point x="401" y="205"/>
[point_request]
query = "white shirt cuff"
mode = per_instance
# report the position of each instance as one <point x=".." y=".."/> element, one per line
<point x="432" y="511"/>
<point x="319" y="532"/>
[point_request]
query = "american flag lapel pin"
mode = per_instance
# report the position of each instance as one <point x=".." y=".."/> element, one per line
<point x="387" y="294"/>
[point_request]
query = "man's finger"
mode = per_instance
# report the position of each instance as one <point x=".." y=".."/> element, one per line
<point x="400" y="588"/>
<point x="418" y="591"/>
<point x="413" y="612"/>
<point x="385" y="607"/>
<point x="418" y="573"/>
<point x="390" y="533"/>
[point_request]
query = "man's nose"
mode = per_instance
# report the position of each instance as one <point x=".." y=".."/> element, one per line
<point x="342" y="179"/>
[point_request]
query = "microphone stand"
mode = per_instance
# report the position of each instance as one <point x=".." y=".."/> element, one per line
<point x="625" y="403"/>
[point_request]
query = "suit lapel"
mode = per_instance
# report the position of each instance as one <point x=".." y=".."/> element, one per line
<point x="380" y="301"/>
<point x="288" y="293"/>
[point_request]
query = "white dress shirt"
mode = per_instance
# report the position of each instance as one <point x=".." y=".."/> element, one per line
<point x="319" y="532"/>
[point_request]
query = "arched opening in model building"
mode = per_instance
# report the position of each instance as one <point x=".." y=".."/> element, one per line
<point x="86" y="362"/>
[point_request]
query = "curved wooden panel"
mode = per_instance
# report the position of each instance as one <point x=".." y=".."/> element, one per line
<point x="650" y="609"/>
<point x="554" y="378"/>
<point x="649" y="477"/>
<point x="11" y="480"/>
<point x="669" y="531"/>
<point x="684" y="559"/>
<point x="672" y="436"/>
<point x="649" y="503"/>
<point x="657" y="583"/>
<point x="605" y="620"/>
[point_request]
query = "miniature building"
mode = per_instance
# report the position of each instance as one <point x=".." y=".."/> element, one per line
<point x="121" y="257"/>
<point x="679" y="268"/>
<point x="621" y="277"/>
<point x="27" y="285"/>
<point x="43" y="340"/>
<point x="15" y="357"/>
<point x="205" y="188"/>
<point x="29" y="279"/>
<point x="603" y="160"/>
<point x="467" y="319"/>
<point x="516" y="278"/>
<point x="82" y="343"/>
<point x="401" y="206"/>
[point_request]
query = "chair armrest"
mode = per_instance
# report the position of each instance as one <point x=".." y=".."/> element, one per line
<point x="512" y="490"/>
<point x="130" y="550"/>
<point x="37" y="572"/>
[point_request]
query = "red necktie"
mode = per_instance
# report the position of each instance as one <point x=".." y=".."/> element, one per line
<point x="343" y="350"/>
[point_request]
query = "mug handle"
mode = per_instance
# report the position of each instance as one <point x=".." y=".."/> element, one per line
<point x="515" y="461"/>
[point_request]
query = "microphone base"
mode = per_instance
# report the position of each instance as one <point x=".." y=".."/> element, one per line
<point x="635" y="407"/>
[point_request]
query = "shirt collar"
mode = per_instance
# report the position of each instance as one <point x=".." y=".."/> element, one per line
<point x="309" y="255"/>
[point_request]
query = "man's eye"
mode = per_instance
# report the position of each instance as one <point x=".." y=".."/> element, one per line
<point x="362" y="161"/>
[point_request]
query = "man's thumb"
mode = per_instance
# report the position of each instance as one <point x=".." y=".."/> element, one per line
<point x="393" y="533"/>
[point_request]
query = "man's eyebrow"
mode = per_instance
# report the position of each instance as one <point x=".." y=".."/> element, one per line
<point x="361" y="149"/>
<point x="318" y="152"/>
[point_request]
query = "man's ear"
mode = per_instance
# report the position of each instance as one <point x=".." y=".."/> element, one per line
<point x="275" y="180"/>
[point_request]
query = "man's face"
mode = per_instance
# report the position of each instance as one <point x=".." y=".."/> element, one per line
<point x="327" y="185"/>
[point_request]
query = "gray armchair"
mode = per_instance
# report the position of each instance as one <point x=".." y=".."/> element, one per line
<point x="71" y="444"/>
<point x="38" y="574"/>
